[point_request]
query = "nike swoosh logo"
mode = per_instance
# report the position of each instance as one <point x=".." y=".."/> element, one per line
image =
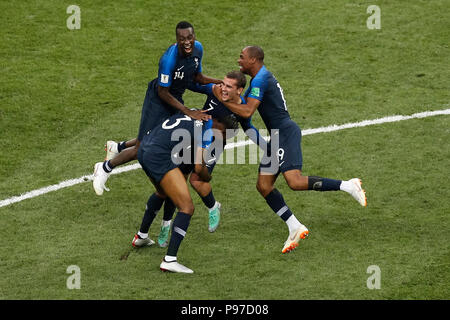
<point x="281" y="163"/>
<point x="180" y="68"/>
<point x="211" y="160"/>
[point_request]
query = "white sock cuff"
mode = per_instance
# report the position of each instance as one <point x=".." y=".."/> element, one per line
<point x="142" y="235"/>
<point x="346" y="186"/>
<point x="170" y="258"/>
<point x="214" y="206"/>
<point x="292" y="223"/>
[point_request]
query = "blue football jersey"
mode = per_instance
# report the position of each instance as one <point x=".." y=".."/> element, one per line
<point x="178" y="132"/>
<point x="217" y="110"/>
<point x="177" y="71"/>
<point x="265" y="88"/>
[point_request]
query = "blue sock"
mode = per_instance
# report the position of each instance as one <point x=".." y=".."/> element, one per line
<point x="169" y="209"/>
<point x="323" y="184"/>
<point x="179" y="228"/>
<point x="209" y="200"/>
<point x="154" y="203"/>
<point x="107" y="166"/>
<point x="276" y="202"/>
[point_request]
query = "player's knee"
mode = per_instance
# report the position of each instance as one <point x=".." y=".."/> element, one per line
<point x="187" y="208"/>
<point x="160" y="195"/>
<point x="134" y="152"/>
<point x="292" y="184"/>
<point x="263" y="189"/>
<point x="298" y="183"/>
<point x="195" y="183"/>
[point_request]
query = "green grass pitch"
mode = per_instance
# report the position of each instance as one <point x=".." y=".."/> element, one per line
<point x="63" y="93"/>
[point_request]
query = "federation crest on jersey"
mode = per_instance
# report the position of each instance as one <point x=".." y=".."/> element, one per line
<point x="196" y="62"/>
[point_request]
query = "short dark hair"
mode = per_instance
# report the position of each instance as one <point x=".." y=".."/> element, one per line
<point x="256" y="52"/>
<point x="183" y="25"/>
<point x="239" y="77"/>
<point x="229" y="121"/>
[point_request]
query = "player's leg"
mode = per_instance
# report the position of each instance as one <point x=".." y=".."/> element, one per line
<point x="113" y="148"/>
<point x="102" y="170"/>
<point x="291" y="165"/>
<point x="283" y="152"/>
<point x="151" y="115"/>
<point x="204" y="190"/>
<point x="296" y="181"/>
<point x="154" y="204"/>
<point x="275" y="200"/>
<point x="169" y="210"/>
<point x="174" y="185"/>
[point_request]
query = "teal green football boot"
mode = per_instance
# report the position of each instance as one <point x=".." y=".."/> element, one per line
<point x="214" y="217"/>
<point x="163" y="236"/>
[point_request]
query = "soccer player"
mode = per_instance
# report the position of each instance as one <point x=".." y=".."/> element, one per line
<point x="158" y="154"/>
<point x="233" y="85"/>
<point x="284" y="154"/>
<point x="179" y="66"/>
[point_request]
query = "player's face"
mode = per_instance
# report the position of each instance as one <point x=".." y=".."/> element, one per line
<point x="230" y="90"/>
<point x="244" y="61"/>
<point x="185" y="40"/>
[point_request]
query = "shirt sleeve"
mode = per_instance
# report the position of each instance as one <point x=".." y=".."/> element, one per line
<point x="167" y="66"/>
<point x="199" y="88"/>
<point x="253" y="133"/>
<point x="257" y="88"/>
<point x="206" y="135"/>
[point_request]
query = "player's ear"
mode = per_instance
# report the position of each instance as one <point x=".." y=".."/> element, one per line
<point x="239" y="90"/>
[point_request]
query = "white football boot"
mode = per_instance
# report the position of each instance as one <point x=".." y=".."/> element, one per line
<point x="100" y="178"/>
<point x="174" y="266"/>
<point x="357" y="191"/>
<point x="111" y="148"/>
<point x="141" y="242"/>
<point x="294" y="238"/>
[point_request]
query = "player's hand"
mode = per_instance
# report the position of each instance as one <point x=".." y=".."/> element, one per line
<point x="217" y="90"/>
<point x="199" y="115"/>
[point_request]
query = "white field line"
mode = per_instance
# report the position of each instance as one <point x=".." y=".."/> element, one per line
<point x="365" y="123"/>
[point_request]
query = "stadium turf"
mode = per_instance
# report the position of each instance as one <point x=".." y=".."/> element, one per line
<point x="63" y="93"/>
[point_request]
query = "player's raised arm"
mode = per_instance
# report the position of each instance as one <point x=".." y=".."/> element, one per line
<point x="168" y="98"/>
<point x="202" y="79"/>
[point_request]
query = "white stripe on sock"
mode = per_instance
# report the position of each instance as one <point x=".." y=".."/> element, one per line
<point x="180" y="231"/>
<point x="282" y="210"/>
